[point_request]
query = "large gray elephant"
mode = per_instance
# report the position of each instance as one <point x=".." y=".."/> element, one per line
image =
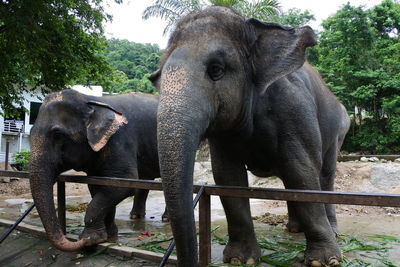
<point x="111" y="136"/>
<point x="245" y="86"/>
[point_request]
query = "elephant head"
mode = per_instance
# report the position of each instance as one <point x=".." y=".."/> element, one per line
<point x="215" y="66"/>
<point x="68" y="130"/>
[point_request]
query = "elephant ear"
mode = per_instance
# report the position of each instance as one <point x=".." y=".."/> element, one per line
<point x="103" y="122"/>
<point x="155" y="78"/>
<point x="278" y="50"/>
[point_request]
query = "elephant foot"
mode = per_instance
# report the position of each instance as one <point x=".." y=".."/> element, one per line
<point x="294" y="226"/>
<point x="165" y="218"/>
<point x="137" y="215"/>
<point x="94" y="237"/>
<point x="245" y="252"/>
<point x="318" y="255"/>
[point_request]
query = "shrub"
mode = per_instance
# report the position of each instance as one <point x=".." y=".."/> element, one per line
<point x="21" y="160"/>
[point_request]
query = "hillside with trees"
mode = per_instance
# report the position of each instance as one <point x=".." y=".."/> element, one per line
<point x="133" y="63"/>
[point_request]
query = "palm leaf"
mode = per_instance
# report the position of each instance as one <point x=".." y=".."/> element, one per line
<point x="228" y="3"/>
<point x="261" y="9"/>
<point x="170" y="10"/>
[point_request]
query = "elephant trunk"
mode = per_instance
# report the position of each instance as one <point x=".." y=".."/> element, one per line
<point x="179" y="134"/>
<point x="42" y="178"/>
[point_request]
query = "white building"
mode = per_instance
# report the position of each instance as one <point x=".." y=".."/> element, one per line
<point x="16" y="130"/>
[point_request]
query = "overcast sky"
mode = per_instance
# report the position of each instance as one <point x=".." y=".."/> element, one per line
<point x="128" y="24"/>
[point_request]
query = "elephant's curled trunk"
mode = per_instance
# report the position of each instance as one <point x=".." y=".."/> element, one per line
<point x="42" y="192"/>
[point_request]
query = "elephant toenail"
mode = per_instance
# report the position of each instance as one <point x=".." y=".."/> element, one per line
<point x="315" y="263"/>
<point x="333" y="262"/>
<point x="235" y="261"/>
<point x="250" y="261"/>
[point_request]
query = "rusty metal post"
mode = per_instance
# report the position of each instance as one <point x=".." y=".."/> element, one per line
<point x="61" y="205"/>
<point x="12" y="228"/>
<point x="7" y="152"/>
<point x="205" y="230"/>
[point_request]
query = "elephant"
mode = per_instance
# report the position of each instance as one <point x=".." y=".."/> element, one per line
<point x="245" y="85"/>
<point x="112" y="136"/>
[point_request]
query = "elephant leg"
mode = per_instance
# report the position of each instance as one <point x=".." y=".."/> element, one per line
<point x="165" y="217"/>
<point x="99" y="217"/>
<point x="111" y="227"/>
<point x="327" y="180"/>
<point x="139" y="204"/>
<point x="242" y="246"/>
<point x="93" y="189"/>
<point x="293" y="225"/>
<point x="302" y="172"/>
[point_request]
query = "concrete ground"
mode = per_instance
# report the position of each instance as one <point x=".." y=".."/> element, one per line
<point x="22" y="249"/>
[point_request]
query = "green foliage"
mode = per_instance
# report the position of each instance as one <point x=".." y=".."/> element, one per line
<point x="50" y="44"/>
<point x="133" y="63"/>
<point x="283" y="250"/>
<point x="21" y="160"/>
<point x="260" y="9"/>
<point x="359" y="57"/>
<point x="294" y="17"/>
<point x="172" y="10"/>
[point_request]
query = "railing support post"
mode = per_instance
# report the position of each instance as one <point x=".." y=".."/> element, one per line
<point x="7" y="154"/>
<point x="61" y="205"/>
<point x="205" y="230"/>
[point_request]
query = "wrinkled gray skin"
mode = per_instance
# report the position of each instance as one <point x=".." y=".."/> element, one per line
<point x="111" y="136"/>
<point x="243" y="84"/>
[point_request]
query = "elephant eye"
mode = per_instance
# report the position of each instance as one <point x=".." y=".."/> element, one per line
<point x="216" y="71"/>
<point x="58" y="133"/>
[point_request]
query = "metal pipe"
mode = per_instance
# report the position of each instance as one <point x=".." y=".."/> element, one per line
<point x="61" y="205"/>
<point x="12" y="228"/>
<point x="7" y="152"/>
<point x="172" y="244"/>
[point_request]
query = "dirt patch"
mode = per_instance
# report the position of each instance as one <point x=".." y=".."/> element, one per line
<point x="79" y="208"/>
<point x="272" y="219"/>
<point x="15" y="188"/>
<point x="20" y="188"/>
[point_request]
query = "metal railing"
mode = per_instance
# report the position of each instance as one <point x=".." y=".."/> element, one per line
<point x="365" y="199"/>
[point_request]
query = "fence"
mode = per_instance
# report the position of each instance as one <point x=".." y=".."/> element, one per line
<point x="365" y="199"/>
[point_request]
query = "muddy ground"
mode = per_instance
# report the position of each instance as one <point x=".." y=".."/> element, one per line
<point x="351" y="177"/>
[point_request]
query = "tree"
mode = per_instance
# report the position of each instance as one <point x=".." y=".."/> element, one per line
<point x="48" y="45"/>
<point x="133" y="63"/>
<point x="259" y="9"/>
<point x="172" y="10"/>
<point x="358" y="55"/>
<point x="345" y="47"/>
<point x="294" y="17"/>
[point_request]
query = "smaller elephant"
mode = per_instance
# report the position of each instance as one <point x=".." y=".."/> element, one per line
<point x="112" y="136"/>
